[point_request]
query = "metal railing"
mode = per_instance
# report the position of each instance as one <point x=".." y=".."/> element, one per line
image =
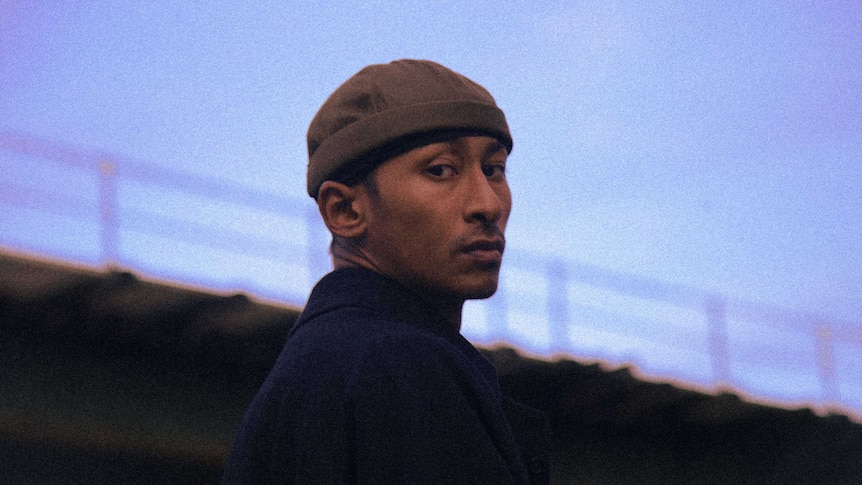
<point x="110" y="211"/>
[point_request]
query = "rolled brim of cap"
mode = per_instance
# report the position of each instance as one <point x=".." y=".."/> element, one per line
<point x="369" y="133"/>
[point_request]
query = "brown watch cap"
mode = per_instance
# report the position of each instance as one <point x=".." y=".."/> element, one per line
<point x="385" y="103"/>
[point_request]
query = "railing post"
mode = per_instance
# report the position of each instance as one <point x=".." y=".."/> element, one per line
<point x="558" y="306"/>
<point x="826" y="364"/>
<point x="716" y="315"/>
<point x="109" y="226"/>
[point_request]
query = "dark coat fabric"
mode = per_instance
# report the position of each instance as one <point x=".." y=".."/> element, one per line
<point x="372" y="387"/>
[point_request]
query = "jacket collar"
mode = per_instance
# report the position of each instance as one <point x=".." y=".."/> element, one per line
<point x="363" y="288"/>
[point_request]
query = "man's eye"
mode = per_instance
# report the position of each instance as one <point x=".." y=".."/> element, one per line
<point x="494" y="170"/>
<point x="441" y="170"/>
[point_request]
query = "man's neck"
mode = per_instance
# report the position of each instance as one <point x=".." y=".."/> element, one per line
<point x="448" y="308"/>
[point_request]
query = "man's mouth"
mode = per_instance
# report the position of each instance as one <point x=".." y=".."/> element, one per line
<point x="486" y="250"/>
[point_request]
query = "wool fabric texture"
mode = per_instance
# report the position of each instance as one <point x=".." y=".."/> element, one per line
<point x="384" y="103"/>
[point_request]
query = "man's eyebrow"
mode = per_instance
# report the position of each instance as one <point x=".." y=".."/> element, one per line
<point x="493" y="148"/>
<point x="490" y="150"/>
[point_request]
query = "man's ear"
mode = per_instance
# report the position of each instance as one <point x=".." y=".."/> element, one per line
<point x="341" y="211"/>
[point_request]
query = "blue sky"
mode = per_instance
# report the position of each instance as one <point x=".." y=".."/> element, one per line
<point x="713" y="145"/>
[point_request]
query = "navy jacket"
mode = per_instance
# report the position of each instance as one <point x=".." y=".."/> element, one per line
<point x="373" y="387"/>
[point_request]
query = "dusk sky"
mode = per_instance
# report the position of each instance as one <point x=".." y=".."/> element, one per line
<point x="716" y="145"/>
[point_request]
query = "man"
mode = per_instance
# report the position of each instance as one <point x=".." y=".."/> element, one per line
<point x="407" y="162"/>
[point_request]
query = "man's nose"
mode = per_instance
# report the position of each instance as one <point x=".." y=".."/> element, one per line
<point x="483" y="202"/>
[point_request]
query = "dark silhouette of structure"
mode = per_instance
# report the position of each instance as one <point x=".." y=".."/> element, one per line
<point x="108" y="378"/>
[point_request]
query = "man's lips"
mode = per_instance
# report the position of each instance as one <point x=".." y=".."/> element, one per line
<point x="487" y="250"/>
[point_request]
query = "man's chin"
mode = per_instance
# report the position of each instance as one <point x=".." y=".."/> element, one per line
<point x="472" y="287"/>
<point x="481" y="292"/>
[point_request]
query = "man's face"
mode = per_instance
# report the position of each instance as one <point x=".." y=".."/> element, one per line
<point x="436" y="217"/>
